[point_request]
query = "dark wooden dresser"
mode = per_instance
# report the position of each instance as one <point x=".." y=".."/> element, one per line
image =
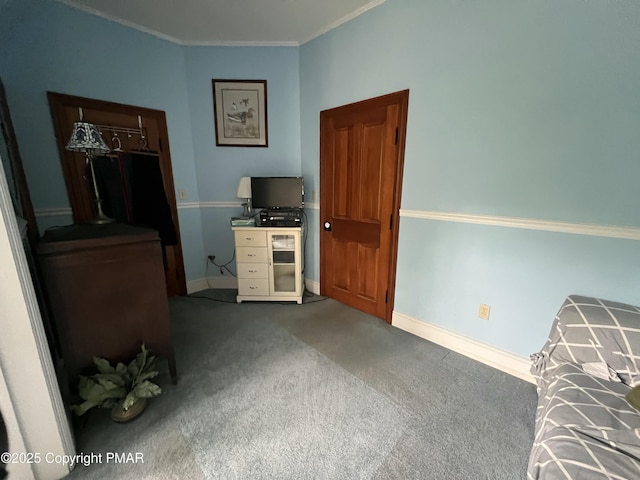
<point x="106" y="290"/>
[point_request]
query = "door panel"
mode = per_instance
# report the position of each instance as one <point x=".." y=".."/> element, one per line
<point x="154" y="138"/>
<point x="341" y="203"/>
<point x="362" y="149"/>
<point x="367" y="272"/>
<point x="371" y="185"/>
<point x="340" y="277"/>
<point x="362" y="233"/>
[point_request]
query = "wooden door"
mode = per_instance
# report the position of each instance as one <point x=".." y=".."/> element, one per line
<point x="153" y="137"/>
<point x="361" y="160"/>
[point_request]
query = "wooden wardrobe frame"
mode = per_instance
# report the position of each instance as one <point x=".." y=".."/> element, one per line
<point x="81" y="197"/>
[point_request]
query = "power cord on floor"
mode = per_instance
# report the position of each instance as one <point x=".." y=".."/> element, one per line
<point x="212" y="299"/>
<point x="315" y="298"/>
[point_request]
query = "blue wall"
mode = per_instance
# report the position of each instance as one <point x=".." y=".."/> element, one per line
<point x="517" y="109"/>
<point x="219" y="169"/>
<point x="48" y="46"/>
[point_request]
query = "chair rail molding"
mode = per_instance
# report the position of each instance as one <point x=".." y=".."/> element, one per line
<point x="56" y="211"/>
<point x="609" y="231"/>
<point x="236" y="204"/>
<point x="53" y="212"/>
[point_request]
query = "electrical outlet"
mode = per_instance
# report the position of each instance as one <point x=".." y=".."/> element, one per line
<point x="182" y="193"/>
<point x="484" y="311"/>
<point x="313" y="195"/>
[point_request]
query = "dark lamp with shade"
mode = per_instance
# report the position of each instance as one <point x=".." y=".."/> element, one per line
<point x="86" y="137"/>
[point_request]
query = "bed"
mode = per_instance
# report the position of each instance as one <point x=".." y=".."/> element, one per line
<point x="585" y="428"/>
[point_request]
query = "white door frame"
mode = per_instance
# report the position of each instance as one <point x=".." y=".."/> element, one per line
<point x="29" y="394"/>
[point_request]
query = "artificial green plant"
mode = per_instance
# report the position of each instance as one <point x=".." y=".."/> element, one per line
<point x="121" y="385"/>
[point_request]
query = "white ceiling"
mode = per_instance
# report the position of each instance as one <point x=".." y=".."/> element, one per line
<point x="229" y="22"/>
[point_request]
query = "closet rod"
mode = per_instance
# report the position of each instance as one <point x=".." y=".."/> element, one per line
<point x="128" y="131"/>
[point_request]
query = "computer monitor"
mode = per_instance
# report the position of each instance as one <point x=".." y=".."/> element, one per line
<point x="277" y="192"/>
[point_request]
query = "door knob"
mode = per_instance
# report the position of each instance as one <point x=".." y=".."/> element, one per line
<point x="327" y="226"/>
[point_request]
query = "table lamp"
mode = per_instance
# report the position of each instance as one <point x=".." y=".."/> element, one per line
<point x="86" y="137"/>
<point x="244" y="191"/>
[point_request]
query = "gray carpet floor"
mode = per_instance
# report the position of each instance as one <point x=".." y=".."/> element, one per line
<point x="318" y="390"/>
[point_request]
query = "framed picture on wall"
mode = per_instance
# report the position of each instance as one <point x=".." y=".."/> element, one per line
<point x="240" y="112"/>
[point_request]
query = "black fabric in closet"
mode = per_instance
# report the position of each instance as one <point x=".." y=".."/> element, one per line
<point x="148" y="198"/>
<point x="113" y="176"/>
<point x="132" y="191"/>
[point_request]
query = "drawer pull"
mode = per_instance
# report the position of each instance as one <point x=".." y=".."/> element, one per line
<point x="249" y="238"/>
<point x="253" y="288"/>
<point x="251" y="254"/>
<point x="253" y="271"/>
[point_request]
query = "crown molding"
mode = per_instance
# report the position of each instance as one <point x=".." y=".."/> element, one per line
<point x="344" y="19"/>
<point x="238" y="44"/>
<point x="126" y="23"/>
<point x="172" y="39"/>
<point x="219" y="43"/>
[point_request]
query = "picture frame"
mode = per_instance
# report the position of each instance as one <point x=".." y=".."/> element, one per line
<point x="240" y="112"/>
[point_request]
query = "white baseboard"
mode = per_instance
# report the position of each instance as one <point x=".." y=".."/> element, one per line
<point x="211" y="282"/>
<point x="198" y="285"/>
<point x="312" y="286"/>
<point x="482" y="352"/>
<point x="231" y="282"/>
<point x="222" y="282"/>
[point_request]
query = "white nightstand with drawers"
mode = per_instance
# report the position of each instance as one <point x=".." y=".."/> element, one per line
<point x="270" y="262"/>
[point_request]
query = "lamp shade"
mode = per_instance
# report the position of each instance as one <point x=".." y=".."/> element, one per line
<point x="244" y="188"/>
<point x="86" y="137"/>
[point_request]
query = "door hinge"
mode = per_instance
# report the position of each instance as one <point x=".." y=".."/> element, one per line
<point x="396" y="141"/>
<point x="386" y="297"/>
<point x="160" y="144"/>
<point x="391" y="221"/>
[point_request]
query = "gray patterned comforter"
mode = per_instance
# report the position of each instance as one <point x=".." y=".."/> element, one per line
<point x="585" y="429"/>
